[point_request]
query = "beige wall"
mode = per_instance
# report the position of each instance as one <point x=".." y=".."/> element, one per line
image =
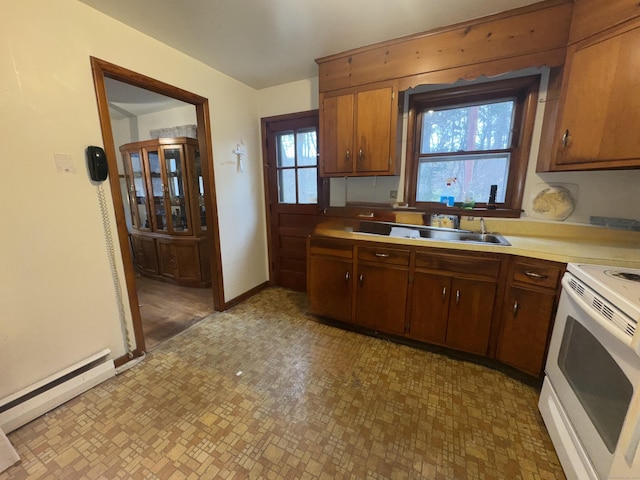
<point x="57" y="296"/>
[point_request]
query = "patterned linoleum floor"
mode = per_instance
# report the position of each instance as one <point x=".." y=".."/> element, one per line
<point x="266" y="391"/>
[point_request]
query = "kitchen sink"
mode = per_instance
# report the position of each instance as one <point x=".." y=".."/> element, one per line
<point x="397" y="230"/>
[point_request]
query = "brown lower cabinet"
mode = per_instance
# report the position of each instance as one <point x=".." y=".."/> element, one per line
<point x="528" y="313"/>
<point x="330" y="284"/>
<point x="183" y="261"/>
<point x="452" y="299"/>
<point x="381" y="289"/>
<point x="493" y="305"/>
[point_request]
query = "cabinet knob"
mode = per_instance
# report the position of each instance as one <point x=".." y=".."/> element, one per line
<point x="382" y="255"/>
<point x="361" y="279"/>
<point x="347" y="277"/>
<point x="360" y="154"/>
<point x="347" y="155"/>
<point x="444" y="294"/>
<point x="457" y="297"/>
<point x="565" y="139"/>
<point x="515" y="309"/>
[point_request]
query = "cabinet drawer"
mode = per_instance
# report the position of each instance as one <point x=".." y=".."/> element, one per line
<point x="390" y="256"/>
<point x="476" y="265"/>
<point x="330" y="247"/>
<point x="534" y="273"/>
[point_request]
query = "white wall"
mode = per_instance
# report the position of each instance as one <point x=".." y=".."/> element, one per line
<point x="57" y="297"/>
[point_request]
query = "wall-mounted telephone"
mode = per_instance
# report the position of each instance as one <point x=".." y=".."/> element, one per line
<point x="97" y="162"/>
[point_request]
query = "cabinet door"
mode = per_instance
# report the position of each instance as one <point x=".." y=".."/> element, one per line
<point x="330" y="287"/>
<point x="381" y="298"/>
<point x="375" y="142"/>
<point x="430" y="308"/>
<point x="525" y="329"/>
<point x="175" y="174"/>
<point x="168" y="260"/>
<point x="145" y="252"/>
<point x="470" y="313"/>
<point x="138" y="198"/>
<point x="337" y="135"/>
<point x="601" y="114"/>
<point x="156" y="187"/>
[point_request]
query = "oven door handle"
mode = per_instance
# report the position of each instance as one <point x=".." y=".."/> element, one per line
<point x="588" y="309"/>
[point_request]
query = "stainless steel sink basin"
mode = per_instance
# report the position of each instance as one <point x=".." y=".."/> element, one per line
<point x="429" y="233"/>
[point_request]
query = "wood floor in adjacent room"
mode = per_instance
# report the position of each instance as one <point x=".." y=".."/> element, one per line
<point x="167" y="309"/>
<point x="266" y="391"/>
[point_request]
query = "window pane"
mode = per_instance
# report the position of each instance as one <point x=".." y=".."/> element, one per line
<point x="308" y="185"/>
<point x="286" y="150"/>
<point x="467" y="129"/>
<point x="474" y="176"/>
<point x="307" y="146"/>
<point x="287" y="186"/>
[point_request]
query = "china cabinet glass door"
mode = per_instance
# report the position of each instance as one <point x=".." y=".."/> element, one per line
<point x="137" y="192"/>
<point x="175" y="189"/>
<point x="199" y="187"/>
<point x="159" y="211"/>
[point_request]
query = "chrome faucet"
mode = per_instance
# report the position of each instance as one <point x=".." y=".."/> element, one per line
<point x="483" y="227"/>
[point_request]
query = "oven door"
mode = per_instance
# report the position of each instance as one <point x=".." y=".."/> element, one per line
<point x="594" y="373"/>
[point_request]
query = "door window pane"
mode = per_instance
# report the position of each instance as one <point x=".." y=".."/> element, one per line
<point x="286" y="150"/>
<point x="287" y="185"/>
<point x="308" y="185"/>
<point x="307" y="148"/>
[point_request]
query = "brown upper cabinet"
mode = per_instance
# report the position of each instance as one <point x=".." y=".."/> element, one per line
<point x="598" y="111"/>
<point x="360" y="89"/>
<point x="358" y="133"/>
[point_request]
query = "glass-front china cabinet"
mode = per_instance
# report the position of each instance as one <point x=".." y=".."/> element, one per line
<point x="166" y="200"/>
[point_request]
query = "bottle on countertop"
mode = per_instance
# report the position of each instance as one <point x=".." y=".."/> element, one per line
<point x="491" y="204"/>
<point x="449" y="198"/>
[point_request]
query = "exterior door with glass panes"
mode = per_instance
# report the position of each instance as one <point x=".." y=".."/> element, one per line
<point x="294" y="191"/>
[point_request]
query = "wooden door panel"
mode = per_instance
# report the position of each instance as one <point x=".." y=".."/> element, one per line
<point x="381" y="298"/>
<point x="331" y="287"/>
<point x="373" y="130"/>
<point x="430" y="308"/>
<point x="470" y="313"/>
<point x="188" y="262"/>
<point x="525" y="329"/>
<point x="337" y="135"/>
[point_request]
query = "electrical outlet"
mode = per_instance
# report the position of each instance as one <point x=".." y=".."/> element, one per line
<point x="393" y="194"/>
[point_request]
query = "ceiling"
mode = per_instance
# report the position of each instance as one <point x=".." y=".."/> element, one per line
<point x="128" y="101"/>
<point x="263" y="43"/>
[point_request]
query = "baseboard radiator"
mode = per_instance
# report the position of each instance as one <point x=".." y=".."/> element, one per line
<point x="31" y="402"/>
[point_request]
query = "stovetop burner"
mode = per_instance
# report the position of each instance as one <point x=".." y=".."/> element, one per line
<point x="621" y="274"/>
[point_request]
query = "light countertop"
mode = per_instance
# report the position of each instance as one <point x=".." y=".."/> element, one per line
<point x="566" y="243"/>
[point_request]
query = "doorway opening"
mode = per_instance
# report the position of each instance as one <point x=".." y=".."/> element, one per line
<point x="165" y="230"/>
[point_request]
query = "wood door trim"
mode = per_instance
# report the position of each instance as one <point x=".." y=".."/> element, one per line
<point x="100" y="70"/>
